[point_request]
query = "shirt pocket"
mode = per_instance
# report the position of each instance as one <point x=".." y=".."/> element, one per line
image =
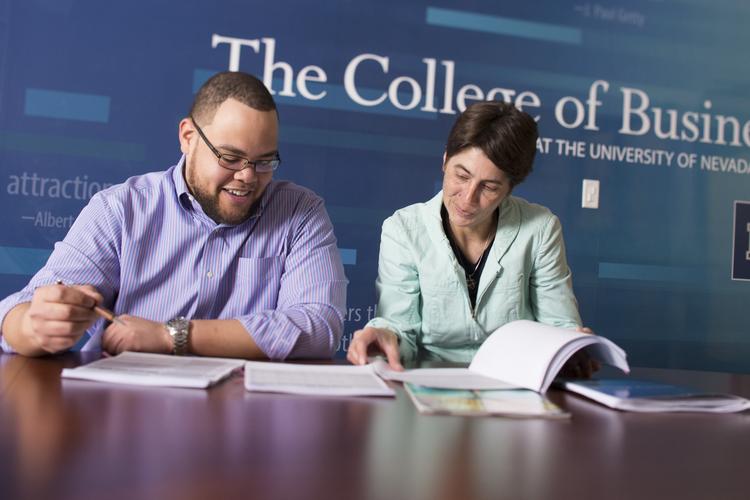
<point x="257" y="284"/>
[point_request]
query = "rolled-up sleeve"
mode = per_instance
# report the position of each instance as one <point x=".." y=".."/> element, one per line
<point x="6" y="305"/>
<point x="308" y="320"/>
<point x="87" y="255"/>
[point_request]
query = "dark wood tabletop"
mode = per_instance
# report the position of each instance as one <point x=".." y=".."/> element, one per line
<point x="71" y="439"/>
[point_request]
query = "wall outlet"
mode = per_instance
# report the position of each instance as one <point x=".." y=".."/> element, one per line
<point x="590" y="193"/>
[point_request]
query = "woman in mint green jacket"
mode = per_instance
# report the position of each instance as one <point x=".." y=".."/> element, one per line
<point x="457" y="267"/>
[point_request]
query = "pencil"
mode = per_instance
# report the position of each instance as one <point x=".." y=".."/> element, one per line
<point x="101" y="311"/>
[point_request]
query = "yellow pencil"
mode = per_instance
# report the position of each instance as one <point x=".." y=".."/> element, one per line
<point x="101" y="311"/>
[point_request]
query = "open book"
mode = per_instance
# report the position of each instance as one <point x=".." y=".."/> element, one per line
<point x="522" y="354"/>
<point x="140" y="368"/>
<point x="649" y="396"/>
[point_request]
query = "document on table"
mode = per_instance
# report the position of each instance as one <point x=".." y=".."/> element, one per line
<point x="321" y="380"/>
<point x="138" y="368"/>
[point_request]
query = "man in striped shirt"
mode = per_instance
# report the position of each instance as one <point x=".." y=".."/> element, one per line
<point x="235" y="263"/>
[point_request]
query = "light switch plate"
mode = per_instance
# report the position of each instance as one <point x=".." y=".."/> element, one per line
<point x="590" y="193"/>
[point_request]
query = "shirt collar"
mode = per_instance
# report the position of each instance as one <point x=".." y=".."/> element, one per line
<point x="180" y="186"/>
<point x="189" y="203"/>
<point x="262" y="203"/>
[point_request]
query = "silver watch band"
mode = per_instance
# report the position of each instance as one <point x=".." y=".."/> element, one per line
<point x="179" y="330"/>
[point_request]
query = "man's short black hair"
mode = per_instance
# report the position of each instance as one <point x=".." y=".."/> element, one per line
<point x="506" y="135"/>
<point x="242" y="87"/>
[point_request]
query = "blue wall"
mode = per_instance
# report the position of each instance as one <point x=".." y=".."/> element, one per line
<point x="91" y="92"/>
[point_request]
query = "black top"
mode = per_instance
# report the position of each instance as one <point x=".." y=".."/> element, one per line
<point x="473" y="271"/>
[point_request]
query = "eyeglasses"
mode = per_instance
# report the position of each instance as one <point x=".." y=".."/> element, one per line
<point x="238" y="163"/>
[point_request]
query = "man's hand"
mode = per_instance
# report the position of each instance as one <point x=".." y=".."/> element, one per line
<point x="54" y="320"/>
<point x="580" y="365"/>
<point x="130" y="333"/>
<point x="372" y="341"/>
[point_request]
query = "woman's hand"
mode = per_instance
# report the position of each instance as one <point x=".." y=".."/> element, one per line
<point x="580" y="365"/>
<point x="371" y="340"/>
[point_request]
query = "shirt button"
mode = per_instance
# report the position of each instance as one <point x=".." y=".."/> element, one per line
<point x="210" y="274"/>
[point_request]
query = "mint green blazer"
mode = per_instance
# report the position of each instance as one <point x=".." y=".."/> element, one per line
<point x="421" y="287"/>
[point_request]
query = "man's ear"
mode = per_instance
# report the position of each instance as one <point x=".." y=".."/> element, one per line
<point x="186" y="133"/>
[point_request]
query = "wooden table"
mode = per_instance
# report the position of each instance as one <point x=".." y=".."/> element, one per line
<point x="77" y="440"/>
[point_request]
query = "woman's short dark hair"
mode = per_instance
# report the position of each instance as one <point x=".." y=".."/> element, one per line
<point x="236" y="85"/>
<point x="506" y="135"/>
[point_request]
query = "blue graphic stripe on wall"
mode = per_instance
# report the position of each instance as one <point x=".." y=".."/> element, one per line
<point x="27" y="261"/>
<point x="81" y="342"/>
<point x="611" y="270"/>
<point x="67" y="105"/>
<point x="19" y="260"/>
<point x="671" y="96"/>
<point x="336" y="98"/>
<point x="450" y="18"/>
<point x="348" y="256"/>
<point x="357" y="140"/>
<point x="71" y="146"/>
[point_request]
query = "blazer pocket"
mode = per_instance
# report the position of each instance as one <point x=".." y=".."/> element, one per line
<point x="509" y="281"/>
<point x="444" y="317"/>
<point x="506" y="302"/>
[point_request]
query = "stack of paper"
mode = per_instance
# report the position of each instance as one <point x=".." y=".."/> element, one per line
<point x="322" y="380"/>
<point x="141" y="368"/>
<point x="648" y="396"/>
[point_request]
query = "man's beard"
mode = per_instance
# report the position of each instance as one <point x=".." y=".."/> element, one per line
<point x="210" y="203"/>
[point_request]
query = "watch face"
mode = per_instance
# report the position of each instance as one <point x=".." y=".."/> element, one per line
<point x="179" y="322"/>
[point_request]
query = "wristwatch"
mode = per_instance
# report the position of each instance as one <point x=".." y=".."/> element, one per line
<point x="179" y="330"/>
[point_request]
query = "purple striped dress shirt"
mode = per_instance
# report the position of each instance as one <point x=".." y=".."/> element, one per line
<point x="151" y="251"/>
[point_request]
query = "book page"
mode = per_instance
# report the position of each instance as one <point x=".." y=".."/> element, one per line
<point x="530" y="354"/>
<point x="331" y="380"/>
<point x="140" y="368"/>
<point x="444" y="378"/>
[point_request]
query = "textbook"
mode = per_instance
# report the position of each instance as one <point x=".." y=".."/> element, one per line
<point x="649" y="396"/>
<point x="520" y="354"/>
<point x="319" y="380"/>
<point x="518" y="403"/>
<point x="140" y="368"/>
